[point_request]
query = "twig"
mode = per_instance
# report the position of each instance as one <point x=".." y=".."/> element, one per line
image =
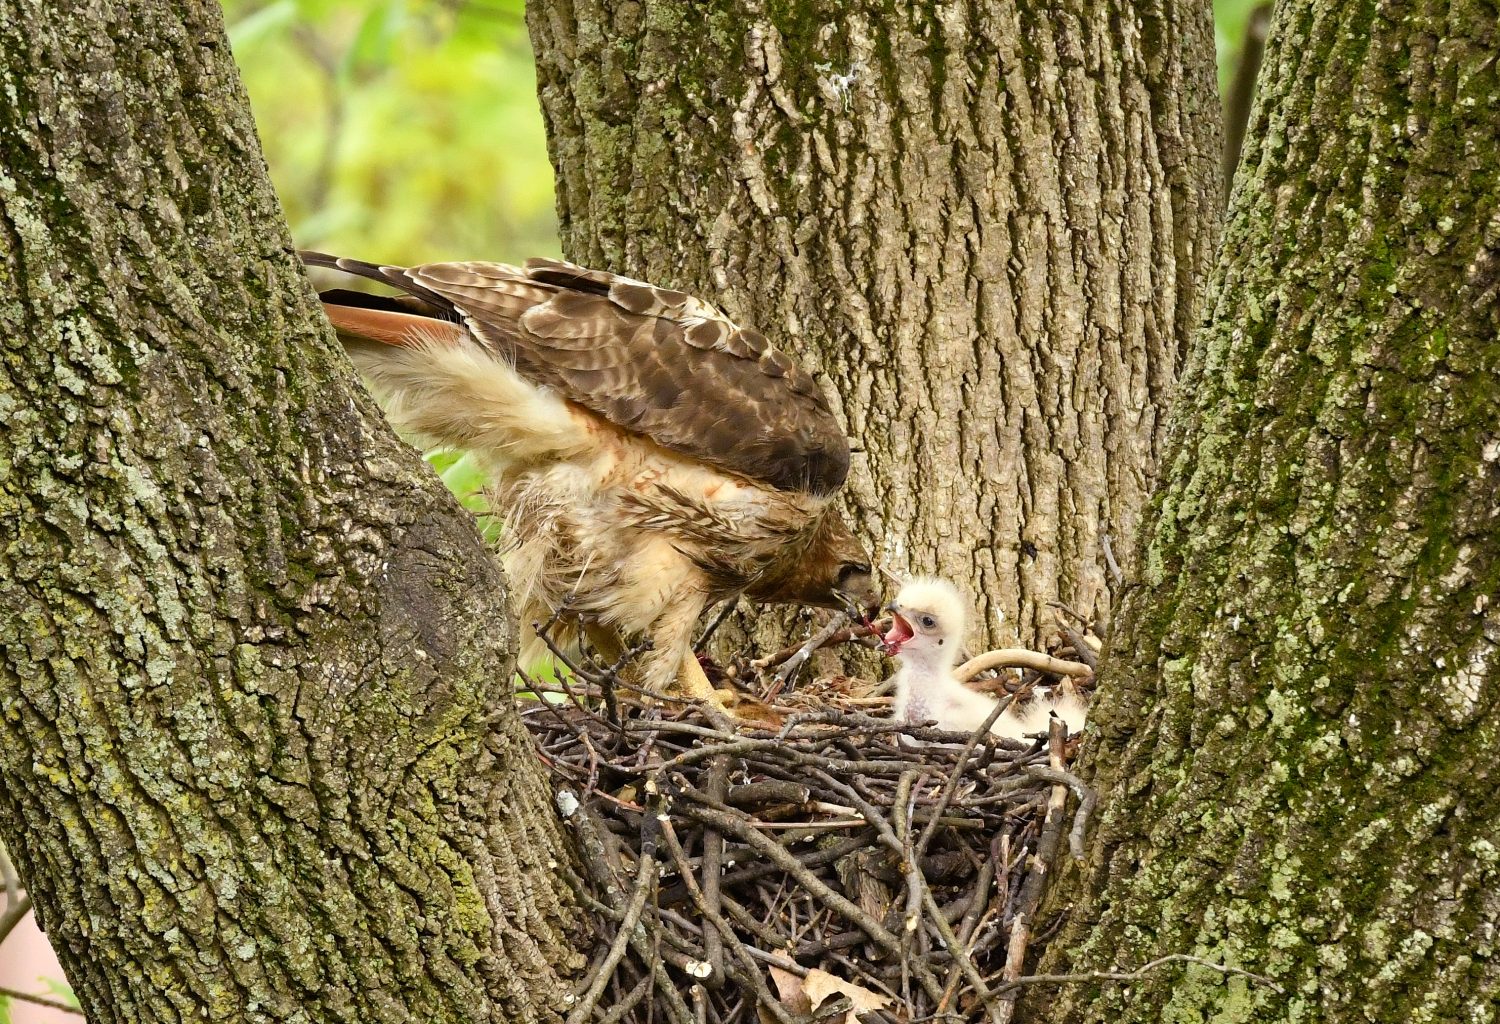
<point x="913" y="873"/>
<point x="596" y="863"/>
<point x="726" y="610"/>
<point x="784" y="860"/>
<point x="1081" y="648"/>
<point x="839" y="636"/>
<point x="713" y="855"/>
<point x="951" y="786"/>
<point x="792" y="665"/>
<point x="968" y="926"/>
<point x="624" y="1006"/>
<point x="901" y="826"/>
<point x="1036" y="879"/>
<point x="965" y="964"/>
<point x="1087" y="800"/>
<point x="8" y="877"/>
<point x="1137" y="974"/>
<point x="1109" y="560"/>
<point x="645" y="876"/>
<point x="14" y="915"/>
<point x="749" y="972"/>
<point x="26" y="997"/>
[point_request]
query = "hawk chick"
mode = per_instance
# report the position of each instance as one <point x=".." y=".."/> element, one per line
<point x="927" y="629"/>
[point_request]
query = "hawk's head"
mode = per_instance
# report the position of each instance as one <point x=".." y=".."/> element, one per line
<point x="832" y="571"/>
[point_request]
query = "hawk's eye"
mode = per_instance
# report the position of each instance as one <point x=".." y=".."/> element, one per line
<point x="849" y="569"/>
<point x="928" y="622"/>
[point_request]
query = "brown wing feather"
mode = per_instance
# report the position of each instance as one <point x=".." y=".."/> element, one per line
<point x="651" y="360"/>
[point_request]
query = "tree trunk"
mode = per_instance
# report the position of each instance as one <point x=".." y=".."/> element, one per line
<point x="1297" y="744"/>
<point x="984" y="224"/>
<point x="258" y="759"/>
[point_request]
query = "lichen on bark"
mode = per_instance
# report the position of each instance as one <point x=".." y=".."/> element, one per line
<point x="1296" y="744"/>
<point x="258" y="759"/>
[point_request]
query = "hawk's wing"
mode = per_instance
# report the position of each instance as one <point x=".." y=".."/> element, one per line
<point x="656" y="362"/>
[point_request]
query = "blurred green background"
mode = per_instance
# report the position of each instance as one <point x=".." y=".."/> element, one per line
<point x="408" y="130"/>
<point x="400" y="130"/>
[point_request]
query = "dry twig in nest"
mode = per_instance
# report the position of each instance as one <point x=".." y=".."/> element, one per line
<point x="827" y="868"/>
<point x="821" y="870"/>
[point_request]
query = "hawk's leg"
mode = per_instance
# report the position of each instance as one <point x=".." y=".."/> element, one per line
<point x="692" y="682"/>
<point x="671" y="666"/>
<point x="671" y="646"/>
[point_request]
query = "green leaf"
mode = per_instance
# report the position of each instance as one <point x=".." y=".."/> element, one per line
<point x="466" y="479"/>
<point x="61" y="990"/>
<point x="374" y="42"/>
<point x="256" y="26"/>
<point x="463" y="475"/>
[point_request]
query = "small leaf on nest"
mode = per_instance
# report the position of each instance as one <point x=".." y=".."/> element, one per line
<point x="806" y="997"/>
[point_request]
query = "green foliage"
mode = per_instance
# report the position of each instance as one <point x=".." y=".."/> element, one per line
<point x="400" y="130"/>
<point x="1230" y="19"/>
<point x="463" y="475"/>
<point x="61" y="991"/>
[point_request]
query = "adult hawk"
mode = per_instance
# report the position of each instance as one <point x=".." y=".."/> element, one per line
<point x="651" y="456"/>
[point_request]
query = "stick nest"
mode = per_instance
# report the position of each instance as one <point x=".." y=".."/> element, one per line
<point x="828" y="866"/>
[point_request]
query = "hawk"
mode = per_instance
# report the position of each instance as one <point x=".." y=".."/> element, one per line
<point x="651" y="457"/>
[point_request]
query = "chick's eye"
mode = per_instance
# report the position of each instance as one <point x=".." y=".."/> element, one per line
<point x="928" y="622"/>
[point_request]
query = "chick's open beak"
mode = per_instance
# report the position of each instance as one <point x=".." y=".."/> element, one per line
<point x="897" y="636"/>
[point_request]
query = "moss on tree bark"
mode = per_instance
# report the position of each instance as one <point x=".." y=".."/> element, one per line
<point x="257" y="754"/>
<point x="1297" y="747"/>
<point x="985" y="224"/>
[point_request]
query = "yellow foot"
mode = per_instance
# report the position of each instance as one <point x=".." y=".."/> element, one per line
<point x="692" y="682"/>
<point x="724" y="707"/>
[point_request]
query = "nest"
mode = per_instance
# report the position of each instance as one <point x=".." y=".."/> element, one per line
<point x="828" y="865"/>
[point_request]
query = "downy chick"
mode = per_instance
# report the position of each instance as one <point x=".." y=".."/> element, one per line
<point x="927" y="630"/>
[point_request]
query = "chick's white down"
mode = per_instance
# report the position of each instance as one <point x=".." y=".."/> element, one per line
<point x="926" y="633"/>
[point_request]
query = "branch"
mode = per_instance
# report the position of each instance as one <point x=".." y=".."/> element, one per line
<point x="1019" y="657"/>
<point x="26" y="997"/>
<point x="14" y="915"/>
<point x="1241" y="95"/>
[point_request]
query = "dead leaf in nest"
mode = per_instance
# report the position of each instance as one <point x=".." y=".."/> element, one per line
<point x="750" y="711"/>
<point x="804" y="996"/>
<point x="789" y="988"/>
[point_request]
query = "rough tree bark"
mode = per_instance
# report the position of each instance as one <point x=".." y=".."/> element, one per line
<point x="257" y="759"/>
<point x="986" y="222"/>
<point x="1297" y="746"/>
